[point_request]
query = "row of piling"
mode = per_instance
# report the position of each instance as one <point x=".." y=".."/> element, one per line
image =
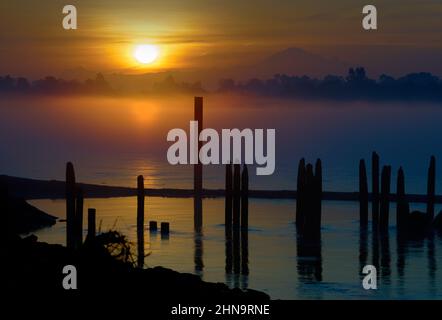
<point x="406" y="221"/>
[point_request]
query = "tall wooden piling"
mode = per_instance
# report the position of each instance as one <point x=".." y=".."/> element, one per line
<point x="228" y="197"/>
<point x="245" y="199"/>
<point x="70" y="205"/>
<point x="375" y="188"/>
<point x="236" y="195"/>
<point x="318" y="194"/>
<point x="402" y="207"/>
<point x="140" y="202"/>
<point x="308" y="207"/>
<point x="79" y="218"/>
<point x="431" y="189"/>
<point x="309" y="199"/>
<point x="198" y="168"/>
<point x="300" y="186"/>
<point x="140" y="220"/>
<point x="363" y="194"/>
<point x="385" y="198"/>
<point x="91" y="223"/>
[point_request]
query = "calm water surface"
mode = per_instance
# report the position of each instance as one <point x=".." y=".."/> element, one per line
<point x="405" y="272"/>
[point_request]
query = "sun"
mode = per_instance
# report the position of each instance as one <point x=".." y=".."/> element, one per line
<point x="146" y="53"/>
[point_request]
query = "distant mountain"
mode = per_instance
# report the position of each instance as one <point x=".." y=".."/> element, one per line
<point x="296" y="61"/>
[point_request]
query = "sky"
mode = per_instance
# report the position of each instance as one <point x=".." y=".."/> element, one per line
<point x="204" y="34"/>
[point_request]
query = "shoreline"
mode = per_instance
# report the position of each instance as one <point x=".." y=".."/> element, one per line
<point x="32" y="189"/>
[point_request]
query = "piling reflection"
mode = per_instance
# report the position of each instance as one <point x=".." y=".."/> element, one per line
<point x="198" y="255"/>
<point x="309" y="261"/>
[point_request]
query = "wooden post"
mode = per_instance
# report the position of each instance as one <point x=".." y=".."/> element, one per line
<point x="79" y="219"/>
<point x="245" y="199"/>
<point x="309" y="225"/>
<point x="198" y="169"/>
<point x="363" y="194"/>
<point x="385" y="198"/>
<point x="91" y="223"/>
<point x="236" y="195"/>
<point x="140" y="202"/>
<point x="402" y="207"/>
<point x="70" y="205"/>
<point x="164" y="228"/>
<point x="375" y="189"/>
<point x="140" y="220"/>
<point x="153" y="226"/>
<point x="431" y="189"/>
<point x="300" y="186"/>
<point x="228" y="198"/>
<point x="318" y="195"/>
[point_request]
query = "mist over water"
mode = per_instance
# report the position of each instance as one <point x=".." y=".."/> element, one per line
<point x="112" y="140"/>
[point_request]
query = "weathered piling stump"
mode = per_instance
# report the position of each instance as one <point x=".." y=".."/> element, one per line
<point x="70" y="205"/>
<point x="236" y="195"/>
<point x="431" y="189"/>
<point x="309" y="199"/>
<point x="79" y="218"/>
<point x="402" y="206"/>
<point x="385" y="198"/>
<point x="165" y="228"/>
<point x="228" y="198"/>
<point x="91" y="223"/>
<point x="245" y="199"/>
<point x="375" y="189"/>
<point x="153" y="226"/>
<point x="318" y="194"/>
<point x="363" y="194"/>
<point x="300" y="185"/>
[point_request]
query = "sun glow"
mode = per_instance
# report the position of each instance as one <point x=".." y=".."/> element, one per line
<point x="146" y="53"/>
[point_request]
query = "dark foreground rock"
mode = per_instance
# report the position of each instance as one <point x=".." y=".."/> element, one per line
<point x="37" y="267"/>
<point x="20" y="216"/>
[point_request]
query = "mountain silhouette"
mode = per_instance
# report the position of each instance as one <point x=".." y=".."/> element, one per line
<point x="297" y="61"/>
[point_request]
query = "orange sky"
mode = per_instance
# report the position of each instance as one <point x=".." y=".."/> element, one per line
<point x="198" y="34"/>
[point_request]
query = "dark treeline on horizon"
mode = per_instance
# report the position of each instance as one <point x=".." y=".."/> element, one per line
<point x="356" y="85"/>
